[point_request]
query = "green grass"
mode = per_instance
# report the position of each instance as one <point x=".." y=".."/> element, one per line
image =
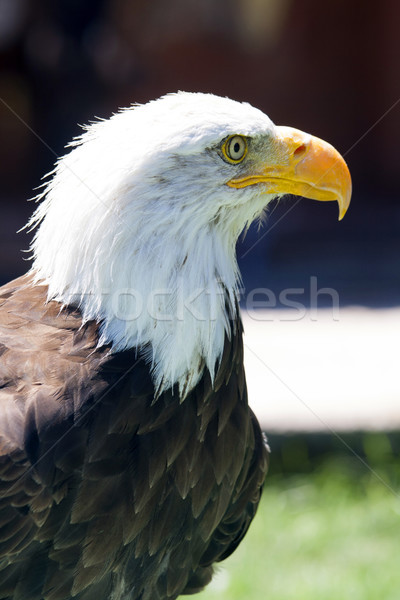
<point x="330" y="534"/>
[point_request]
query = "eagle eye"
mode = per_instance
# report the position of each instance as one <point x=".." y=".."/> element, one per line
<point x="234" y="148"/>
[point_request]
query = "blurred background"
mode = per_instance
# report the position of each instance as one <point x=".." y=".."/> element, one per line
<point x="324" y="385"/>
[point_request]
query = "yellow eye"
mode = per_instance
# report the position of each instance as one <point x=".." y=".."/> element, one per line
<point x="234" y="148"/>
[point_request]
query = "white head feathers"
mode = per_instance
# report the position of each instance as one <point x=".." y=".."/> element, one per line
<point x="138" y="228"/>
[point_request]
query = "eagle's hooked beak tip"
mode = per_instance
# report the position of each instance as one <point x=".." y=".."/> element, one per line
<point x="344" y="201"/>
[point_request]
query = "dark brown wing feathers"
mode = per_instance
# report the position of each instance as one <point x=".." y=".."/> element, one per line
<point x="104" y="491"/>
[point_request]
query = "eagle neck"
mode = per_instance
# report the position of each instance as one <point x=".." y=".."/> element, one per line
<point x="178" y="307"/>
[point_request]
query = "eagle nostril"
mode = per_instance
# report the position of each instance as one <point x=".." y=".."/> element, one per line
<point x="299" y="151"/>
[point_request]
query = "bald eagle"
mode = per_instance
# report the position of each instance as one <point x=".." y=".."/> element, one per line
<point x="130" y="461"/>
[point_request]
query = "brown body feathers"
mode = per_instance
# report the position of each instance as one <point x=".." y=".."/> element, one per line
<point x="105" y="491"/>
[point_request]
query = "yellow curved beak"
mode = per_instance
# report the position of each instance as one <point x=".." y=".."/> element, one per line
<point x="302" y="165"/>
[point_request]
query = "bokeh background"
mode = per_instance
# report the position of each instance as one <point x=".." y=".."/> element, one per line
<point x="330" y="514"/>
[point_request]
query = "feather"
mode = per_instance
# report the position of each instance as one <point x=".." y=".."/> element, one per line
<point x="129" y="458"/>
<point x="107" y="489"/>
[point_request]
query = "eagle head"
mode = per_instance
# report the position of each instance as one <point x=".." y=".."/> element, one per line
<point x="138" y="223"/>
